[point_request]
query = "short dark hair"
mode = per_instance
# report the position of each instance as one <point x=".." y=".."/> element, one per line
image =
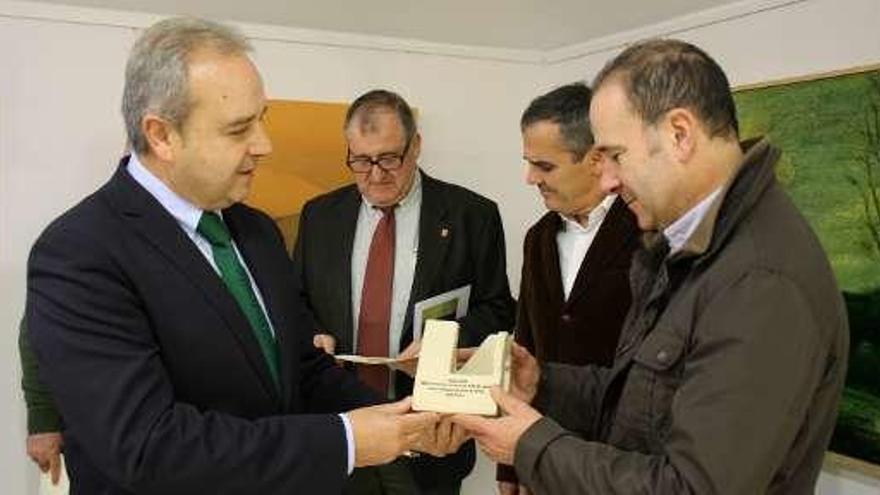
<point x="569" y="107"/>
<point x="366" y="105"/>
<point x="659" y="75"/>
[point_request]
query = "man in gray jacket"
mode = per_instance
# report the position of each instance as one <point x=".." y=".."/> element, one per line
<point x="732" y="359"/>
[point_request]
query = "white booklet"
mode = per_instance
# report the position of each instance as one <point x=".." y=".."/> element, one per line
<point x="441" y="386"/>
<point x="450" y="305"/>
<point x="353" y="358"/>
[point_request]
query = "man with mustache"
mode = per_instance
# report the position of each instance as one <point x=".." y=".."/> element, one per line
<point x="574" y="290"/>
<point x="732" y="358"/>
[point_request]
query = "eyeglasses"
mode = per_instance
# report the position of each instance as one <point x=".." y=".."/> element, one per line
<point x="386" y="161"/>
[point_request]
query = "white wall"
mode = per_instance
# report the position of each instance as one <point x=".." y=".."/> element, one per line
<point x="60" y="132"/>
<point x="790" y="38"/>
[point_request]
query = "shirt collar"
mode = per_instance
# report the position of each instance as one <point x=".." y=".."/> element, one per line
<point x="186" y="213"/>
<point x="594" y="218"/>
<point x="678" y="233"/>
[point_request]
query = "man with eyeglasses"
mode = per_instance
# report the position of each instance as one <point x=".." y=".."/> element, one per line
<point x="367" y="252"/>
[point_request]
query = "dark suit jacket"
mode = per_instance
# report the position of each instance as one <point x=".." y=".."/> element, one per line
<point x="584" y="329"/>
<point x="471" y="252"/>
<point x="159" y="379"/>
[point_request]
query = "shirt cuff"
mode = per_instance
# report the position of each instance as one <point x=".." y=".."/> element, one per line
<point x="349" y="440"/>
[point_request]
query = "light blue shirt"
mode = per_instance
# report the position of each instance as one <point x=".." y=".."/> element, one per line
<point x="406" y="248"/>
<point x="188" y="216"/>
<point x="681" y="230"/>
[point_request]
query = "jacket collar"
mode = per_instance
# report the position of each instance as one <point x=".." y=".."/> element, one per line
<point x="435" y="235"/>
<point x="752" y="177"/>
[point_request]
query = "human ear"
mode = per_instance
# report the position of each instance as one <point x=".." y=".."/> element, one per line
<point x="593" y="160"/>
<point x="682" y="127"/>
<point x="415" y="147"/>
<point x="161" y="136"/>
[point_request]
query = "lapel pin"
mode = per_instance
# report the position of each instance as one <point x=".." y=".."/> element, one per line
<point x="444" y="232"/>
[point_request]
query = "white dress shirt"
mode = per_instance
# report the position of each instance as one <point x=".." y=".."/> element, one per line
<point x="406" y="248"/>
<point x="574" y="240"/>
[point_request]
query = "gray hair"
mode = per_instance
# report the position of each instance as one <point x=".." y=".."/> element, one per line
<point x="367" y="105"/>
<point x="157" y="72"/>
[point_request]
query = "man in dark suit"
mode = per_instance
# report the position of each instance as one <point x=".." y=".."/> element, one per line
<point x="163" y="313"/>
<point x="407" y="236"/>
<point x="574" y="292"/>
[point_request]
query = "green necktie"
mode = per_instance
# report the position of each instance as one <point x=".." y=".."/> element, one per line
<point x="214" y="230"/>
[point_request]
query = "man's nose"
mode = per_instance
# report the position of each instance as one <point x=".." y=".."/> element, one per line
<point x="610" y="180"/>
<point x="261" y="145"/>
<point x="531" y="175"/>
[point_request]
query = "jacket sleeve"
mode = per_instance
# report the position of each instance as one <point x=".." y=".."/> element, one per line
<point x="571" y="395"/>
<point x="491" y="306"/>
<point x="750" y="374"/>
<point x="103" y="364"/>
<point x="42" y="414"/>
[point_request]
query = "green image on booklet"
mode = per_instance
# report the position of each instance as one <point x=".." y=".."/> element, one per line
<point x="450" y="306"/>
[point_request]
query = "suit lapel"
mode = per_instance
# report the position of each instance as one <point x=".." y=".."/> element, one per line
<point x="610" y="240"/>
<point x="158" y="228"/>
<point x="435" y="233"/>
<point x="548" y="257"/>
<point x="339" y="273"/>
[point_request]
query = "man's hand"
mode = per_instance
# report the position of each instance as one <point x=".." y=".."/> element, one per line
<point x="444" y="439"/>
<point x="498" y="437"/>
<point x="525" y="374"/>
<point x="508" y="488"/>
<point x="45" y="450"/>
<point x="325" y="341"/>
<point x="408" y="360"/>
<point x="383" y="433"/>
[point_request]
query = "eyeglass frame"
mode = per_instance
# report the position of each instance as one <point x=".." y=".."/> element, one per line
<point x="377" y="161"/>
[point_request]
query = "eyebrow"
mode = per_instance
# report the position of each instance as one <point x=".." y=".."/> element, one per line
<point x="539" y="163"/>
<point x="606" y="148"/>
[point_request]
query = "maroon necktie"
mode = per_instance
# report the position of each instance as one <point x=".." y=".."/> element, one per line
<point x="375" y="312"/>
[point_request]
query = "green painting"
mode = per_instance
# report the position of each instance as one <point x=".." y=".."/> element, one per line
<point x="829" y="131"/>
